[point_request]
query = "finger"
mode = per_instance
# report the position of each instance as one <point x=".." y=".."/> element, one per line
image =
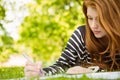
<point x="27" y="63"/>
<point x="39" y="64"/>
<point x="40" y="68"/>
<point x="32" y="74"/>
<point x="31" y="68"/>
<point x="30" y="64"/>
<point x="28" y="74"/>
<point x="34" y="68"/>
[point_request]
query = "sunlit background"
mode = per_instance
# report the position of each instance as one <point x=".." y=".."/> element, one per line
<point x="39" y="28"/>
<point x="15" y="13"/>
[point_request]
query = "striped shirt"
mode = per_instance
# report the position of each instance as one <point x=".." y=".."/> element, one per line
<point x="74" y="52"/>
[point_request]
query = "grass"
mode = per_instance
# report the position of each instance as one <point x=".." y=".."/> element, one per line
<point x="11" y="72"/>
<point x="18" y="72"/>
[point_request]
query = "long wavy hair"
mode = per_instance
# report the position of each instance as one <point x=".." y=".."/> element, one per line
<point x="109" y="18"/>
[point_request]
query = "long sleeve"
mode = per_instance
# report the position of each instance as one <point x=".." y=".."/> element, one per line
<point x="74" y="50"/>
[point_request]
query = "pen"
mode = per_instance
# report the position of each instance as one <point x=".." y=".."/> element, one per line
<point x="26" y="57"/>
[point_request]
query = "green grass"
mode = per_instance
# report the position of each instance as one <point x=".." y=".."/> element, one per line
<point x="18" y="72"/>
<point x="11" y="72"/>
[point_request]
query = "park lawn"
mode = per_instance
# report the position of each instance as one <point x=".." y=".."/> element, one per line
<point x="18" y="72"/>
<point x="11" y="72"/>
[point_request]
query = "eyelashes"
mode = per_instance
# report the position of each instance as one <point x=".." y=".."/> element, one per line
<point x="90" y="18"/>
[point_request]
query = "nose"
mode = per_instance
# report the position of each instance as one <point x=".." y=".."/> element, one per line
<point x="94" y="24"/>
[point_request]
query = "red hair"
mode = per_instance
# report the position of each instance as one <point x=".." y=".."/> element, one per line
<point x="109" y="18"/>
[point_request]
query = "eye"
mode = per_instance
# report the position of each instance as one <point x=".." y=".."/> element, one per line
<point x="90" y="18"/>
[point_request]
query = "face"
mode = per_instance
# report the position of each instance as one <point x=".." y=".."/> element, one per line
<point x="93" y="22"/>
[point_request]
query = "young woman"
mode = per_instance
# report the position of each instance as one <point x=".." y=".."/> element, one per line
<point x="97" y="43"/>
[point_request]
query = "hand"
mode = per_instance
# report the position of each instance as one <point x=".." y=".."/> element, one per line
<point x="78" y="70"/>
<point x="33" y="69"/>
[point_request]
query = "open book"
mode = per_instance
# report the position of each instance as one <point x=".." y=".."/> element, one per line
<point x="82" y="70"/>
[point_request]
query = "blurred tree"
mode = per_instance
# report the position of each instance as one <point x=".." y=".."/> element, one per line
<point x="6" y="42"/>
<point x="50" y="23"/>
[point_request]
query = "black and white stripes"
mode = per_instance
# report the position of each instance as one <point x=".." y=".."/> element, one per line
<point x="75" y="50"/>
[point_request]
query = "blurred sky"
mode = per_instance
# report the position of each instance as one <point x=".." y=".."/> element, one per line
<point x="16" y="12"/>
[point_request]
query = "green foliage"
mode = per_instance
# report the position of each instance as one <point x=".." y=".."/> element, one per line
<point x="48" y="27"/>
<point x="6" y="42"/>
<point x="2" y="12"/>
<point x="45" y="31"/>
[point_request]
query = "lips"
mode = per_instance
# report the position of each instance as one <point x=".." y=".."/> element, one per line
<point x="96" y="32"/>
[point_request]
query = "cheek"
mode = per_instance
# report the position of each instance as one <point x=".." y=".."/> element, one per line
<point x="102" y="29"/>
<point x="90" y="24"/>
<point x="103" y="32"/>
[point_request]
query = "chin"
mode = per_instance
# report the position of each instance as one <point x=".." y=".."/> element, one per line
<point x="99" y="36"/>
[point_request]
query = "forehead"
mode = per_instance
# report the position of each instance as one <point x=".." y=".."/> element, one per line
<point x="92" y="11"/>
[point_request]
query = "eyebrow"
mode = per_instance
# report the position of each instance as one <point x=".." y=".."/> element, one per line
<point x="89" y="16"/>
